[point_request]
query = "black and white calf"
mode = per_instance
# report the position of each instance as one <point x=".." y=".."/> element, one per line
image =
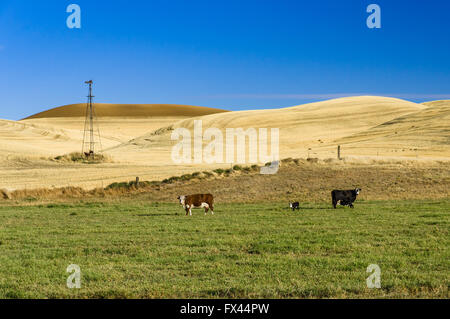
<point x="294" y="205"/>
<point x="345" y="198"/>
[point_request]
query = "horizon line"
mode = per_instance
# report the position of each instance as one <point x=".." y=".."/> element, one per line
<point x="318" y="97"/>
<point x="438" y="96"/>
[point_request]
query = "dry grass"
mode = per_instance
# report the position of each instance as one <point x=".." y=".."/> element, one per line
<point x="366" y="127"/>
<point x="297" y="179"/>
<point x="78" y="157"/>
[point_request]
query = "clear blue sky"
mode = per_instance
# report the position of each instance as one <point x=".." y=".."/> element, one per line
<point x="228" y="54"/>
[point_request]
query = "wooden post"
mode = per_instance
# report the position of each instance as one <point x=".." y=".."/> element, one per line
<point x="339" y="152"/>
<point x="137" y="181"/>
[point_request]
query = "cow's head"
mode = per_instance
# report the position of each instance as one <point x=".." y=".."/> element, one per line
<point x="182" y="199"/>
<point x="357" y="190"/>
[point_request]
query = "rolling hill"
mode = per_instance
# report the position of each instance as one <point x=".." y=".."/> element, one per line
<point x="306" y="130"/>
<point x="422" y="133"/>
<point x="127" y="110"/>
<point x="138" y="137"/>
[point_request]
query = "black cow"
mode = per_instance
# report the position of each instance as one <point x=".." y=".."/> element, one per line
<point x="345" y="198"/>
<point x="294" y="205"/>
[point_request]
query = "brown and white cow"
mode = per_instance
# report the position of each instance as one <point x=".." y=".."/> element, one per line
<point x="197" y="201"/>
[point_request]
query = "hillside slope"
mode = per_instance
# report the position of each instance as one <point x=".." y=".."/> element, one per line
<point x="305" y="130"/>
<point x="297" y="179"/>
<point x="24" y="139"/>
<point x="375" y="127"/>
<point x="127" y="110"/>
<point x="423" y="133"/>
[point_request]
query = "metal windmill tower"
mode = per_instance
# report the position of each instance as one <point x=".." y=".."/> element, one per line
<point x="91" y="137"/>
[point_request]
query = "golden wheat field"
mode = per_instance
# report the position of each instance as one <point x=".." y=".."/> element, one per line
<point x="136" y="139"/>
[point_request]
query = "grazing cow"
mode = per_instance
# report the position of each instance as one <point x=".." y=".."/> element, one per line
<point x="294" y="205"/>
<point x="197" y="201"/>
<point x="345" y="198"/>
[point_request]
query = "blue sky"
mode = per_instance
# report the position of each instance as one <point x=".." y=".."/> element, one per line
<point x="228" y="54"/>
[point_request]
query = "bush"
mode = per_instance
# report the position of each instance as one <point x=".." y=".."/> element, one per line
<point x="170" y="180"/>
<point x="186" y="177"/>
<point x="117" y="185"/>
<point x="78" y="157"/>
<point x="312" y="159"/>
<point x="207" y="174"/>
<point x="219" y="171"/>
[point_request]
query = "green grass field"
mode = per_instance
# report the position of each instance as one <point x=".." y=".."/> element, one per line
<point x="149" y="250"/>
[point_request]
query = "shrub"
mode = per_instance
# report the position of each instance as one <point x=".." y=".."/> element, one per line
<point x="207" y="174"/>
<point x="78" y="157"/>
<point x="219" y="171"/>
<point x="171" y="180"/>
<point x="246" y="169"/>
<point x="117" y="185"/>
<point x="185" y="177"/>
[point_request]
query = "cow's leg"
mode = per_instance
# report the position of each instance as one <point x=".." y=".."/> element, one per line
<point x="334" y="203"/>
<point x="187" y="210"/>
<point x="351" y="205"/>
<point x="212" y="208"/>
<point x="205" y="206"/>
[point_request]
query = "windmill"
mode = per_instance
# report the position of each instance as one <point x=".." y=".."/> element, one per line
<point x="91" y="137"/>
